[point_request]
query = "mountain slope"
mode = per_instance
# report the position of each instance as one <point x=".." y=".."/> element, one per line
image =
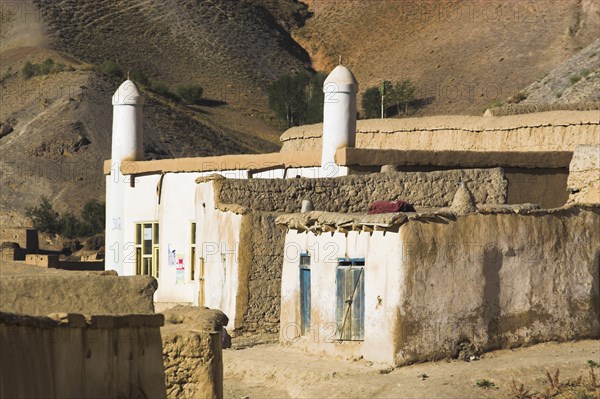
<point x="55" y="129"/>
<point x="56" y="133"/>
<point x="574" y="81"/>
<point x="463" y="55"/>
<point x="230" y="48"/>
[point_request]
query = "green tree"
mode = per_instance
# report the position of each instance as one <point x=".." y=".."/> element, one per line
<point x="70" y="226"/>
<point x="298" y="99"/>
<point x="44" y="217"/>
<point x="371" y="102"/>
<point x="93" y="218"/>
<point x="402" y="94"/>
<point x="314" y="97"/>
<point x="47" y="67"/>
<point x="110" y="68"/>
<point x="29" y="70"/>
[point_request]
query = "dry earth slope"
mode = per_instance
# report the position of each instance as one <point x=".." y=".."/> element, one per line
<point x="55" y="129"/>
<point x="225" y="46"/>
<point x="463" y="55"/>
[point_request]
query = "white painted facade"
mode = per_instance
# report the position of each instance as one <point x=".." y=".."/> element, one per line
<point x="383" y="276"/>
<point x="218" y="235"/>
<point x="180" y="204"/>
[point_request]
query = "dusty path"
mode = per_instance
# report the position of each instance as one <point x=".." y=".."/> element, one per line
<point x="271" y="371"/>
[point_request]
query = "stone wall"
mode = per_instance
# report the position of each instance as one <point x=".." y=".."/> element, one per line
<point x="543" y="131"/>
<point x="65" y="356"/>
<point x="354" y="193"/>
<point x="192" y="352"/>
<point x="499" y="280"/>
<point x="262" y="250"/>
<point x="584" y="175"/>
<point x="39" y="291"/>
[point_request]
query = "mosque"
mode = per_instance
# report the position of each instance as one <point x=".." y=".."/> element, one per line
<point x="500" y="250"/>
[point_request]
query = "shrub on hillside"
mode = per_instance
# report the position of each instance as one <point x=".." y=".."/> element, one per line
<point x="47" y="67"/>
<point x="190" y="93"/>
<point x="163" y="90"/>
<point x="139" y="77"/>
<point x="110" y="68"/>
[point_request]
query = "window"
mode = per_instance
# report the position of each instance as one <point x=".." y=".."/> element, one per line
<point x="304" y="294"/>
<point x="192" y="276"/>
<point x="350" y="297"/>
<point x="146" y="249"/>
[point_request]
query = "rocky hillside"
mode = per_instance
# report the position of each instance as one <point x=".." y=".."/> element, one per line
<point x="463" y="55"/>
<point x="233" y="49"/>
<point x="55" y="133"/>
<point x="576" y="80"/>
<point x="55" y="129"/>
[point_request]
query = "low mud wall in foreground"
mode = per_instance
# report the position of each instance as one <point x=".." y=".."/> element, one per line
<point x="65" y="356"/>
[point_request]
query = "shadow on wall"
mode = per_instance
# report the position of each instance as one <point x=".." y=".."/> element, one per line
<point x="492" y="263"/>
<point x="596" y="291"/>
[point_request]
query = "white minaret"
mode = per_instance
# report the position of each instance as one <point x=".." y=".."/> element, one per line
<point x="127" y="145"/>
<point x="339" y="117"/>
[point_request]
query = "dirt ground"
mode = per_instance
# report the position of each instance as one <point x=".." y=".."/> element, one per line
<point x="272" y="371"/>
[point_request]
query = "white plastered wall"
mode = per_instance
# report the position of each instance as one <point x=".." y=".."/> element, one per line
<point x="218" y="238"/>
<point x="140" y="204"/>
<point x="177" y="211"/>
<point x="383" y="277"/>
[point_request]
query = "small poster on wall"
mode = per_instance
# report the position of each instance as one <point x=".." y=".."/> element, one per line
<point x="172" y="256"/>
<point x="180" y="270"/>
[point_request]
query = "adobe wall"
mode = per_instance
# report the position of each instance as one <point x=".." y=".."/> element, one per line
<point x="542" y="131"/>
<point x="67" y="357"/>
<point x="498" y="280"/>
<point x="39" y="291"/>
<point x="584" y="175"/>
<point x="354" y="193"/>
<point x="546" y="187"/>
<point x="192" y="352"/>
<point x="261" y="252"/>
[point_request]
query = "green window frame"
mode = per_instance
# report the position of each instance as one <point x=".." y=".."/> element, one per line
<point x="147" y="252"/>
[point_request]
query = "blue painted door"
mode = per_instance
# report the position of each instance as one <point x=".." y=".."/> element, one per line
<point x="304" y="300"/>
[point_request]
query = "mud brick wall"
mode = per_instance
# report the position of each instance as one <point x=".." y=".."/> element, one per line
<point x="262" y="253"/>
<point x="67" y="356"/>
<point x="499" y="280"/>
<point x="192" y="352"/>
<point x="541" y="131"/>
<point x="354" y="193"/>
<point x="42" y="292"/>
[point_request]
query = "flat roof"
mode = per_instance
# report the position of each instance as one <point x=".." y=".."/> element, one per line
<point x="251" y="162"/>
<point x="348" y="157"/>
<point x="455" y="122"/>
<point x="328" y="222"/>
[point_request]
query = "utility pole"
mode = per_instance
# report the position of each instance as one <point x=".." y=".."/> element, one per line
<point x="382" y="99"/>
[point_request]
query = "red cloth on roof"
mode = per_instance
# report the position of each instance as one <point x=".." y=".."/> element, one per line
<point x="390" y="207"/>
